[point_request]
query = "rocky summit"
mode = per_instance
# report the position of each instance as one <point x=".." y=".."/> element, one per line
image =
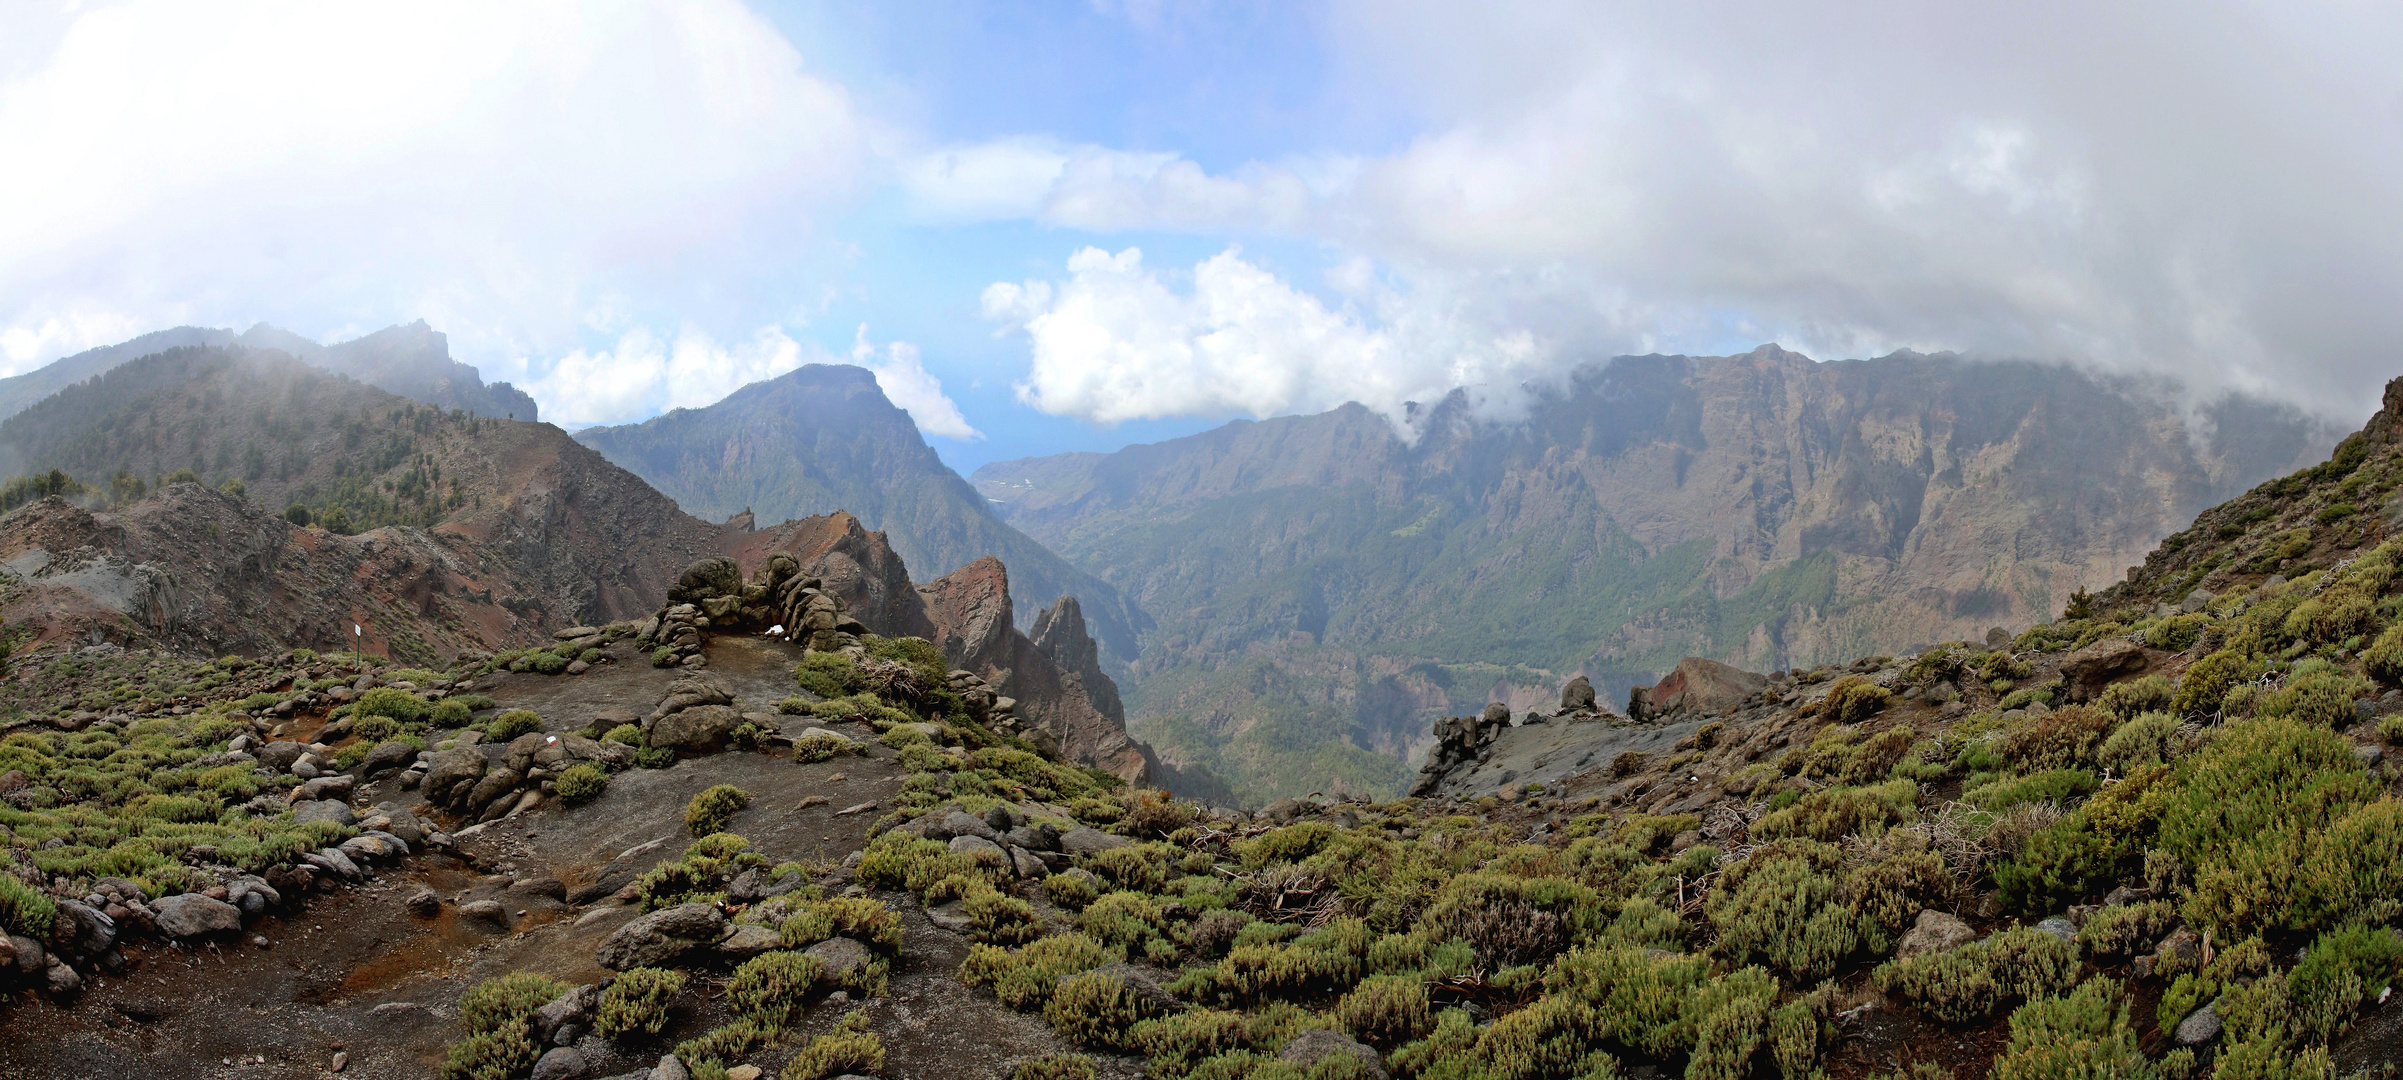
<point x="611" y="791"/>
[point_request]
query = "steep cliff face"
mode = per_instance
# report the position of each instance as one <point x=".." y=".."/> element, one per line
<point x="823" y="438"/>
<point x="1322" y="581"/>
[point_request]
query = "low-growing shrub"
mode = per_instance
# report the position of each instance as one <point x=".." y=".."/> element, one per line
<point x="1023" y="978"/>
<point x="2206" y="683"/>
<point x="2142" y="741"/>
<point x="1386" y="1010"/>
<point x="1097" y="1009"/>
<point x="810" y="749"/>
<point x="849" y="1048"/>
<point x="582" y="783"/>
<point x="496" y="1003"/>
<point x="513" y="723"/>
<point x="771" y="988"/>
<point x="451" y="712"/>
<point x="24" y="910"/>
<point x="638" y="1002"/>
<point x="655" y="757"/>
<point x="2127" y="929"/>
<point x="1851" y="700"/>
<point x="711" y="810"/>
<point x="1054" y="1067"/>
<point x="860" y="918"/>
<point x="628" y="734"/>
<point x="504" y="1054"/>
<point x="830" y="675"/>
<point x="1970" y="982"/>
<point x="2084" y="1033"/>
<point x="2124" y="699"/>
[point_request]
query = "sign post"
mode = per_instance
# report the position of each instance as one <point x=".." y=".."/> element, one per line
<point x="358" y="636"/>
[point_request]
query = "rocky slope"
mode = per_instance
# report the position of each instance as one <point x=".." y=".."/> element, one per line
<point x="1323" y="586"/>
<point x="822" y="438"/>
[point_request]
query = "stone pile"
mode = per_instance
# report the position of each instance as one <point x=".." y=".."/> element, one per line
<point x="489" y="782"/>
<point x="711" y="596"/>
<point x="1458" y="740"/>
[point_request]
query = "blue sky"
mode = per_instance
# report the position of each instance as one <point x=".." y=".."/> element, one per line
<point x="1079" y="225"/>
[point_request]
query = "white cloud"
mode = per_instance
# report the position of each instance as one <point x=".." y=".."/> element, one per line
<point x="2203" y="191"/>
<point x="503" y="170"/>
<point x="643" y="375"/>
<point x="907" y="384"/>
<point x="1115" y="342"/>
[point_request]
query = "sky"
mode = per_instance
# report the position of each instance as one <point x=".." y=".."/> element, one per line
<point x="1075" y="226"/>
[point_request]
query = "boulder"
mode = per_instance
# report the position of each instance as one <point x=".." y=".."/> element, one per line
<point x="985" y="852"/>
<point x="324" y="810"/>
<point x="2199" y="1027"/>
<point x="279" y="756"/>
<point x="191" y="915"/>
<point x="331" y="787"/>
<point x="92" y="933"/>
<point x="560" y="1063"/>
<point x="1084" y="840"/>
<point x="2059" y="927"/>
<point x="1935" y="932"/>
<point x="1577" y="696"/>
<point x="692" y="688"/>
<point x="714" y="576"/>
<point x="495" y="784"/>
<point x="491" y="911"/>
<point x="386" y="757"/>
<point x="660" y="937"/>
<point x="747" y="941"/>
<point x="2090" y="669"/>
<point x="700" y="727"/>
<point x="1305" y="1050"/>
<point x="449" y="768"/>
<point x="845" y="960"/>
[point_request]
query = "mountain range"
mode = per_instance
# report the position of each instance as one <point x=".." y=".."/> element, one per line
<point x="1326" y="586"/>
<point x="823" y="438"/>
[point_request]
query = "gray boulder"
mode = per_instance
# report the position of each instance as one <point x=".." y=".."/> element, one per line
<point x="190" y="915"/>
<point x="386" y="757"/>
<point x="560" y="1063"/>
<point x="655" y="939"/>
<point x="692" y="688"/>
<point x="1578" y="695"/>
<point x="1935" y="932"/>
<point x="449" y="768"/>
<point x="94" y="933"/>
<point x="2199" y="1027"/>
<point x="1084" y="840"/>
<point x="1308" y="1047"/>
<point x="844" y="959"/>
<point x="337" y="812"/>
<point x="700" y="727"/>
<point x="279" y="756"/>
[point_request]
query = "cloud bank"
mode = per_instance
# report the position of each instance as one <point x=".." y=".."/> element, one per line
<point x="2201" y="191"/>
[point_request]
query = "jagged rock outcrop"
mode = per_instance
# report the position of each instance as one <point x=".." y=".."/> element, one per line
<point x="1459" y="739"/>
<point x="1060" y="634"/>
<point x="1697" y="687"/>
<point x="970" y="610"/>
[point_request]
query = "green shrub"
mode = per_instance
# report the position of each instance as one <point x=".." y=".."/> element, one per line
<point x="2252" y="812"/>
<point x="1834" y="813"/>
<point x="663" y="656"/>
<point x="655" y="757"/>
<point x="2384" y="657"/>
<point x="1024" y="978"/>
<point x="24" y="911"/>
<point x="1851" y="700"/>
<point x="849" y="1048"/>
<point x="2126" y="929"/>
<point x="725" y="1043"/>
<point x="1967" y="983"/>
<point x="2390" y="728"/>
<point x="1054" y="1067"/>
<point x="2177" y="632"/>
<point x="504" y="1054"/>
<point x="862" y="919"/>
<point x="771" y="988"/>
<point x="1096" y="1009"/>
<point x="1074" y="891"/>
<point x="513" y="723"/>
<point x="1515" y="920"/>
<point x="2206" y="683"/>
<point x="2084" y="1033"/>
<point x="629" y="734"/>
<point x="712" y="809"/>
<point x="638" y="1002"/>
<point x="401" y="706"/>
<point x="451" y="712"/>
<point x="2125" y="699"/>
<point x="1386" y="1010"/>
<point x="830" y="675"/>
<point x="1783" y="907"/>
<point x="2051" y="785"/>
<point x="810" y="749"/>
<point x="496" y="1003"/>
<point x="582" y="783"/>
<point x="2139" y="742"/>
<point x="2344" y="970"/>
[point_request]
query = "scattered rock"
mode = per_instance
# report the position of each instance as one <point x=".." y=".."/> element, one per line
<point x="561" y="1063"/>
<point x="699" y="727"/>
<point x="1308" y="1047"/>
<point x="2090" y="669"/>
<point x="2199" y="1027"/>
<point x="1935" y="932"/>
<point x="670" y="1069"/>
<point x="491" y="911"/>
<point x="661" y="936"/>
<point x="859" y="808"/>
<point x="324" y="810"/>
<point x="193" y="915"/>
<point x="1084" y="840"/>
<point x="747" y="941"/>
<point x="844" y="958"/>
<point x="2059" y="927"/>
